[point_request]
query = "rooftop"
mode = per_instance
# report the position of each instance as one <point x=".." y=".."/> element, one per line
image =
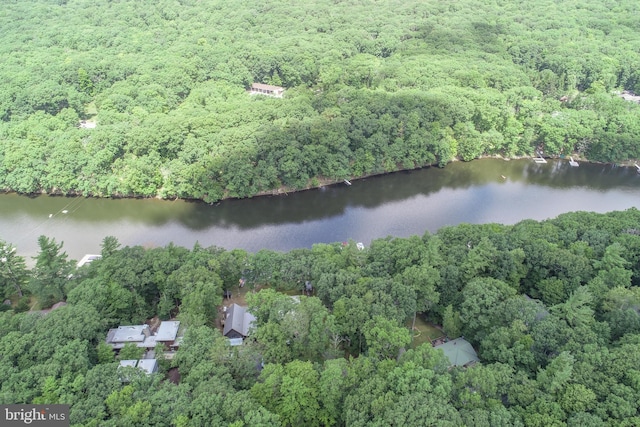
<point x="239" y="320"/>
<point x="87" y="124"/>
<point x="131" y="363"/>
<point x="148" y="365"/>
<point x="167" y="331"/>
<point x="124" y="334"/>
<point x="88" y="258"/>
<point x="269" y="90"/>
<point x="141" y="335"/>
<point x="459" y="352"/>
<point x="266" y="87"/>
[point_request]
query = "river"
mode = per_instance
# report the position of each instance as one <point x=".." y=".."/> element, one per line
<point x="399" y="204"/>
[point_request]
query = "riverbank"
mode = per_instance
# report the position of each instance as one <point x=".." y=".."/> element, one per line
<point x="325" y="182"/>
<point x="316" y="182"/>
<point x="397" y="204"/>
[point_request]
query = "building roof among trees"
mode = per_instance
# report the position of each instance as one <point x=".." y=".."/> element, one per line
<point x="167" y="331"/>
<point x="459" y="352"/>
<point x="148" y="365"/>
<point x="266" y="87"/>
<point x="132" y="363"/>
<point x="141" y="335"/>
<point x="132" y="333"/>
<point x="239" y="320"/>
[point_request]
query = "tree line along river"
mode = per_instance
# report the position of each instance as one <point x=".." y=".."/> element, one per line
<point x="399" y="204"/>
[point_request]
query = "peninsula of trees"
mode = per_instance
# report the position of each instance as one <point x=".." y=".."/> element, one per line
<point x="552" y="308"/>
<point x="149" y="99"/>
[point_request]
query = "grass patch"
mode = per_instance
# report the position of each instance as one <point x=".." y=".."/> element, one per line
<point x="424" y="332"/>
<point x="91" y="109"/>
<point x="292" y="292"/>
<point x="238" y="295"/>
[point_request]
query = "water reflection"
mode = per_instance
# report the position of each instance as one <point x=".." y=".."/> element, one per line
<point x="400" y="204"/>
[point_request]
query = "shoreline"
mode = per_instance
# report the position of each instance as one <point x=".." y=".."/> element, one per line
<point x="322" y="181"/>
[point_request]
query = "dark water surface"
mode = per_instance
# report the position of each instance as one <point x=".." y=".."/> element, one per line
<point x="400" y="204"/>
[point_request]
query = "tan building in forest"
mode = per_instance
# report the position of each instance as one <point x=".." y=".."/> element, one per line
<point x="268" y="90"/>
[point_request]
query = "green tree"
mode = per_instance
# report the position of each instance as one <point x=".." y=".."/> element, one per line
<point x="510" y="345"/>
<point x="557" y="374"/>
<point x="105" y="353"/>
<point x="292" y="392"/>
<point x="385" y="338"/>
<point x="131" y="351"/>
<point x="576" y="310"/>
<point x="451" y="323"/>
<point x="199" y="301"/>
<point x="109" y="246"/>
<point x="51" y="272"/>
<point x="482" y="302"/>
<point x="84" y="81"/>
<point x="13" y="271"/>
<point x="577" y="398"/>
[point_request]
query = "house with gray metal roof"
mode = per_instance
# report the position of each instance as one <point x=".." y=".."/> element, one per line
<point x="122" y="335"/>
<point x="459" y="352"/>
<point x="148" y="366"/>
<point x="238" y="322"/>
<point x="167" y="331"/>
<point x="143" y="337"/>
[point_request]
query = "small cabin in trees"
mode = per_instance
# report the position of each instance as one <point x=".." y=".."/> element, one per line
<point x="459" y="352"/>
<point x="238" y="322"/>
<point x="268" y="90"/>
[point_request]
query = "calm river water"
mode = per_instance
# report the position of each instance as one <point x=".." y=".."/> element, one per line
<point x="400" y="204"/>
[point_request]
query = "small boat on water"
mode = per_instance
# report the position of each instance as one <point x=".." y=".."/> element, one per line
<point x="573" y="162"/>
<point x="346" y="181"/>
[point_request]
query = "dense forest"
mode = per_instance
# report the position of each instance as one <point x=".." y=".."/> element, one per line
<point x="371" y="87"/>
<point x="552" y="308"/>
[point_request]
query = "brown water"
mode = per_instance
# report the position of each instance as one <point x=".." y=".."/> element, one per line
<point x="400" y="204"/>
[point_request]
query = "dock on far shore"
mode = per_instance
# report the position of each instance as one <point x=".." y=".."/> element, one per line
<point x="539" y="159"/>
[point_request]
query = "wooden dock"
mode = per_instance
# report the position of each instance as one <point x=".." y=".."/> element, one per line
<point x="539" y="158"/>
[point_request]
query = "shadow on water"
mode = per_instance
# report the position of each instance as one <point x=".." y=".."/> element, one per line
<point x="327" y="202"/>
<point x="399" y="204"/>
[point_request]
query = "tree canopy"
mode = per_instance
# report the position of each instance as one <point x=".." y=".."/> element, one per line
<point x="557" y="342"/>
<point x="123" y="98"/>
